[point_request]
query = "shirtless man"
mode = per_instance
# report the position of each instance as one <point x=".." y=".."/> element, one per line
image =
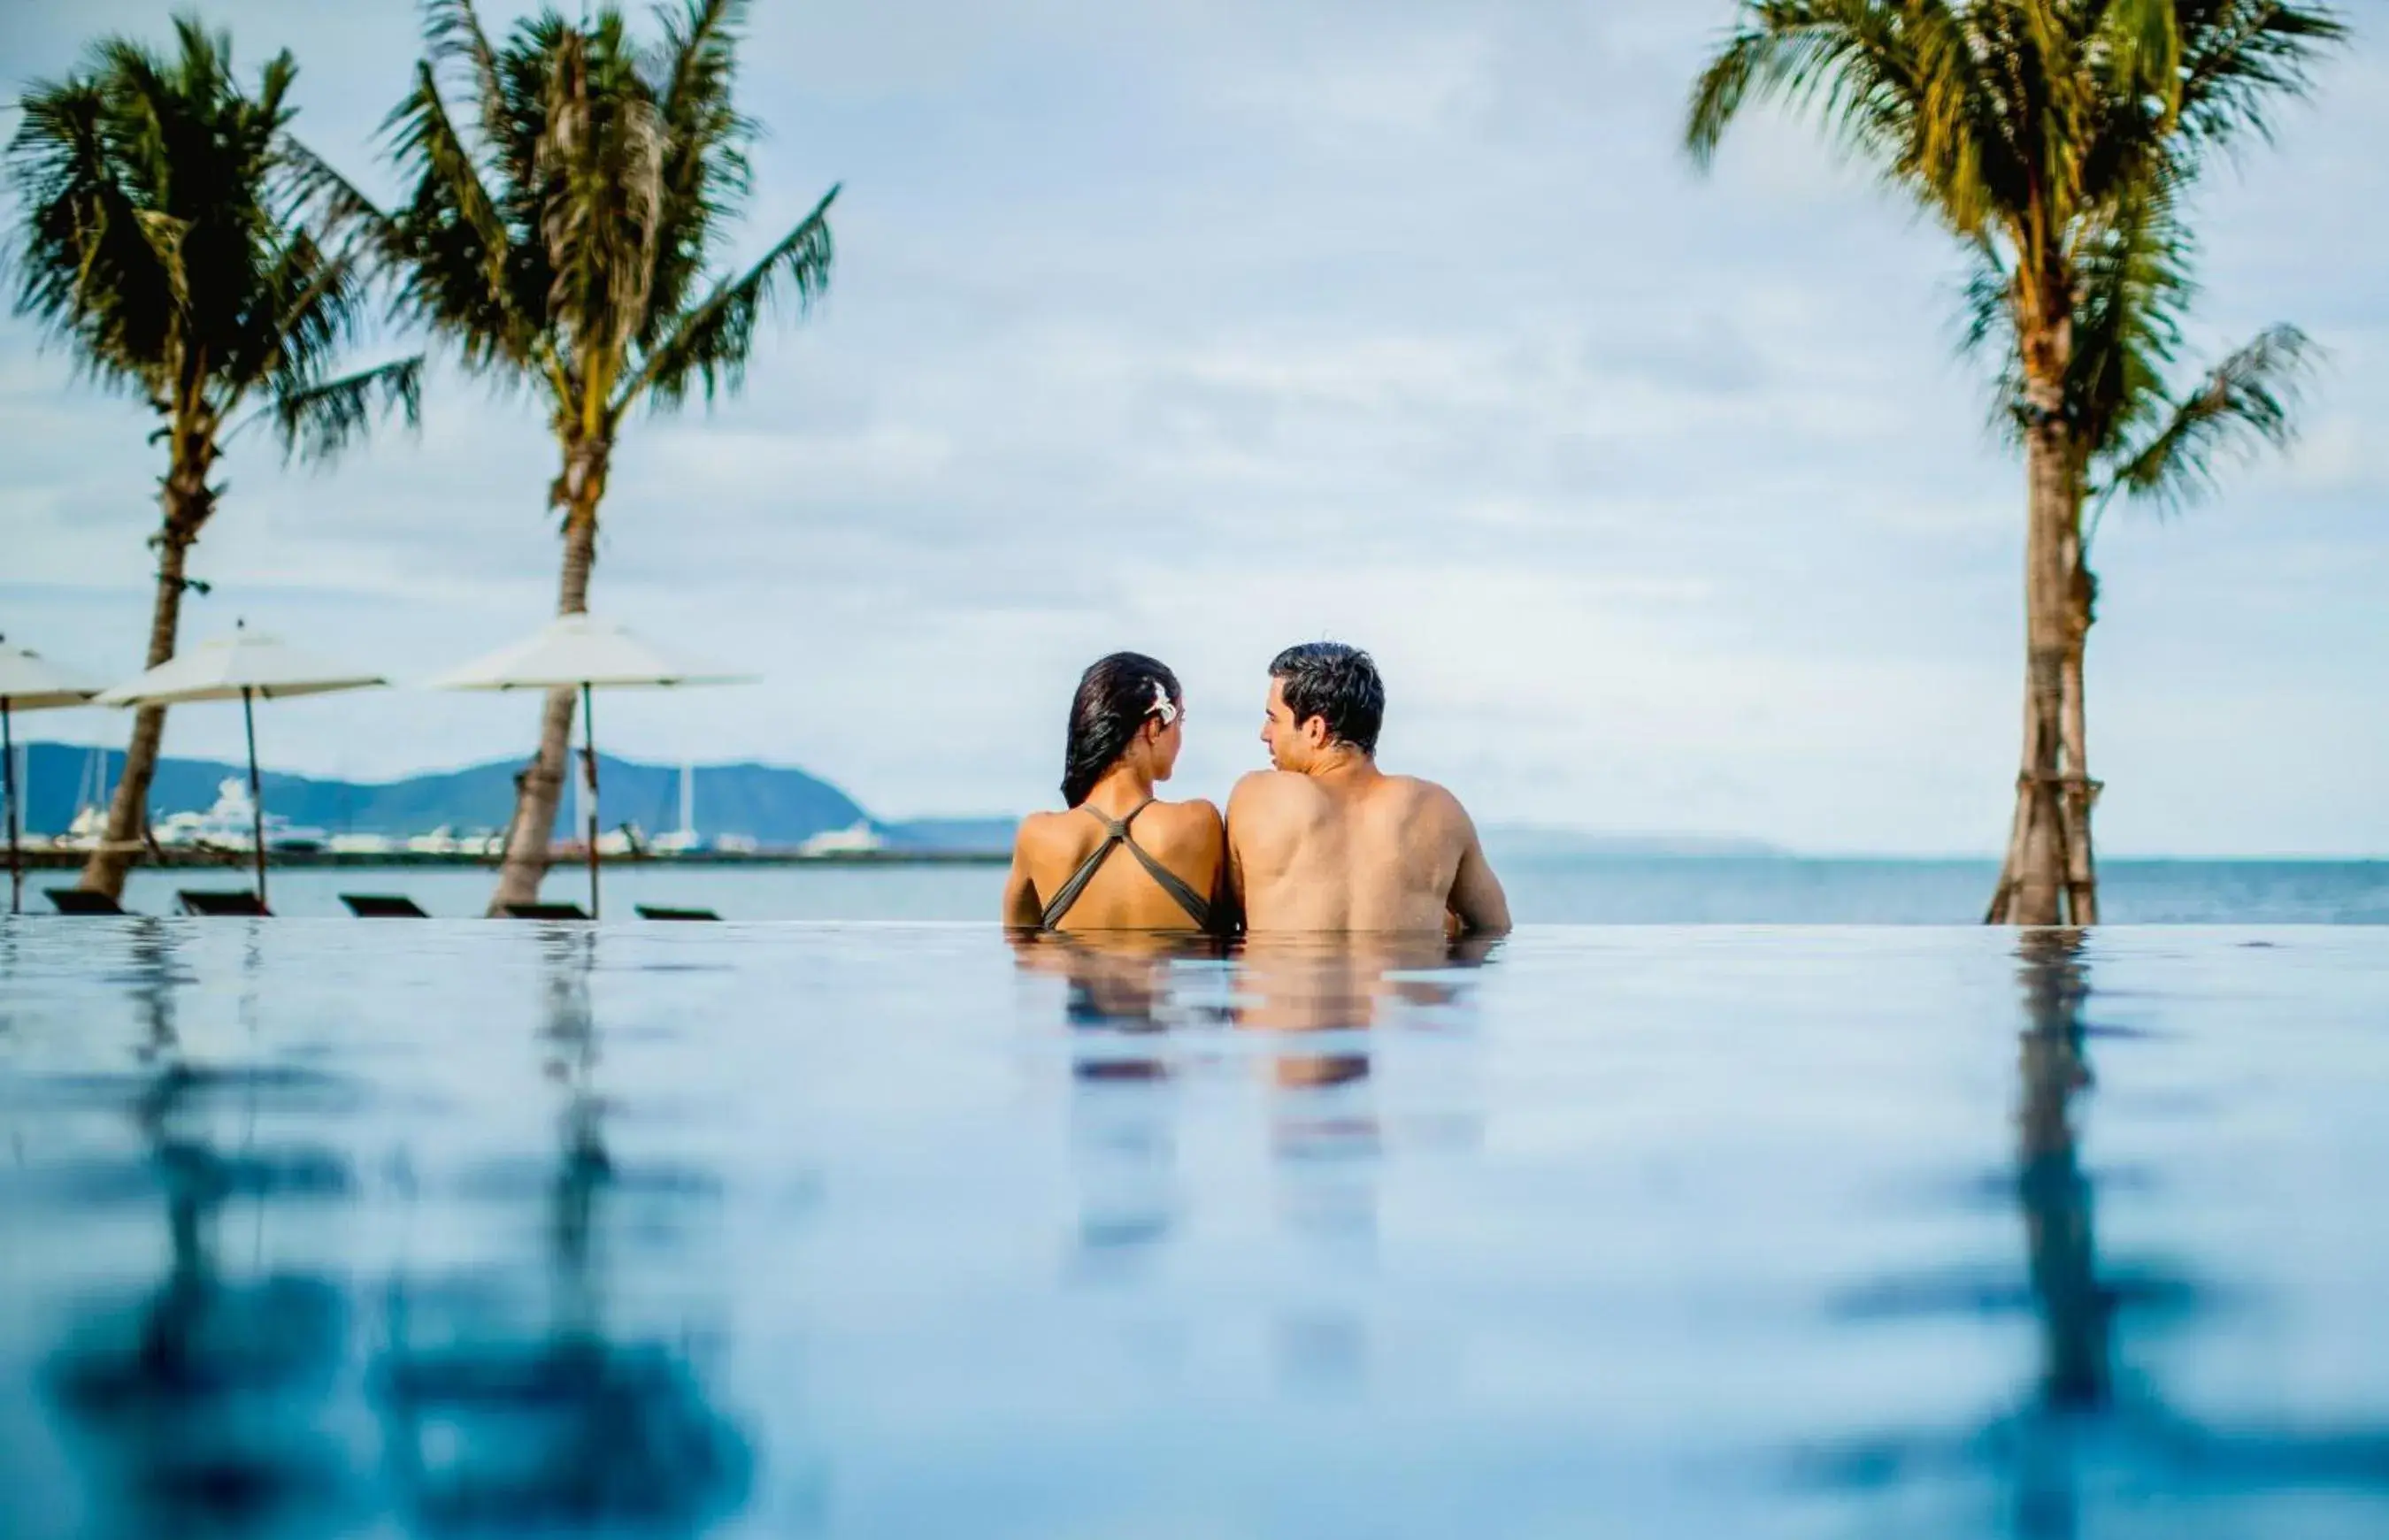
<point x="1328" y="841"/>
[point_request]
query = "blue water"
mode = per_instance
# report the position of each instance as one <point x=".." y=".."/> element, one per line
<point x="890" y="1230"/>
<point x="1543" y="888"/>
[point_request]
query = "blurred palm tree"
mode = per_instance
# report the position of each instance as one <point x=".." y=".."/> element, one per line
<point x="2054" y="138"/>
<point x="162" y="237"/>
<point x="565" y="239"/>
<point x="2141" y="438"/>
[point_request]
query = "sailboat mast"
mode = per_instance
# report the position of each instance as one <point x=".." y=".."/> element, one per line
<point x="688" y="798"/>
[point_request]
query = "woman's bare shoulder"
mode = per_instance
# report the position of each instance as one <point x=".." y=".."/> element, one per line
<point x="1040" y="830"/>
<point x="1186" y="821"/>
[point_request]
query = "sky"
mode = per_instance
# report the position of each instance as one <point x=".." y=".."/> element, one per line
<point x="1664" y="498"/>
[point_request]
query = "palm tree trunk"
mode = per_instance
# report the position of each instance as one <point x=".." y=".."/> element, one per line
<point x="2080" y="791"/>
<point x="187" y="500"/>
<point x="2034" y="888"/>
<point x="539" y="787"/>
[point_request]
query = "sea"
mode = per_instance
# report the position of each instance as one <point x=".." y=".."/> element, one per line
<point x="1546" y="889"/>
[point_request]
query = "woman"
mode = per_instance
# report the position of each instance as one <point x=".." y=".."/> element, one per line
<point x="1119" y="859"/>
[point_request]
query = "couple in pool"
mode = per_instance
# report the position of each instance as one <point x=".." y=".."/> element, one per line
<point x="1322" y="841"/>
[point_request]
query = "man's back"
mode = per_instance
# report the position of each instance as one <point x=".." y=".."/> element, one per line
<point x="1356" y="850"/>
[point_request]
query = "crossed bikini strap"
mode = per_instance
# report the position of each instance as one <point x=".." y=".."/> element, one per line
<point x="1116" y="835"/>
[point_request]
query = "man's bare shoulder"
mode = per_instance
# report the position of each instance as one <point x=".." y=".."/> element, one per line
<point x="1262" y="791"/>
<point x="1260" y="784"/>
<point x="1421" y="798"/>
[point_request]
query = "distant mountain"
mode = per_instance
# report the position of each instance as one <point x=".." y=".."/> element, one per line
<point x="772" y="804"/>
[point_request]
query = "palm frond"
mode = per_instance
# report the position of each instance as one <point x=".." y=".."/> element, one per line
<point x="459" y="255"/>
<point x="2134" y="53"/>
<point x="2246" y="405"/>
<point x="338" y="207"/>
<point x="95" y="262"/>
<point x="710" y="346"/>
<point x="604" y="156"/>
<point x="2133" y="286"/>
<point x="1895" y="83"/>
<point x="2239" y="57"/>
<point x="318" y="422"/>
<point x="1827" y="57"/>
<point x="704" y="177"/>
<point x="452" y="32"/>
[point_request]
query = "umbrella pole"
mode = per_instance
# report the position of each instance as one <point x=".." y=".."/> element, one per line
<point x="589" y="756"/>
<point x="256" y="794"/>
<point x="9" y="772"/>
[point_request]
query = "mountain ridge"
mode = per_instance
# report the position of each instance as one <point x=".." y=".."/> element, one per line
<point x="776" y="804"/>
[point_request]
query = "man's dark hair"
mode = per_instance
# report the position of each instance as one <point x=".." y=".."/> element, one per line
<point x="1337" y="684"/>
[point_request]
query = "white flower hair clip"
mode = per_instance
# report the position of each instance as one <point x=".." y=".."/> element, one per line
<point x="1163" y="706"/>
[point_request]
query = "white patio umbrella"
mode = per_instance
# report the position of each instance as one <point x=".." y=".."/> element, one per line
<point x="28" y="682"/>
<point x="583" y="653"/>
<point x="247" y="667"/>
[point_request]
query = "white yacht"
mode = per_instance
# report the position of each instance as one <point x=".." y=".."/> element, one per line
<point x="856" y="839"/>
<point x="230" y="825"/>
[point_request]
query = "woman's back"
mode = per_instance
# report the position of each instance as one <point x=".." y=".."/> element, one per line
<point x="1053" y="852"/>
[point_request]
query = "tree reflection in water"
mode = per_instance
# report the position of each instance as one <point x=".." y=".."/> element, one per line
<point x="2090" y="1433"/>
<point x="200" y="1410"/>
<point x="494" y="1428"/>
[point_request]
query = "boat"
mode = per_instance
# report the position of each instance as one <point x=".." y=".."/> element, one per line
<point x="231" y="823"/>
<point x="858" y="838"/>
<point x="440" y="841"/>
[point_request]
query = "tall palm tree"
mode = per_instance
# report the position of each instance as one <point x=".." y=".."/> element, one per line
<point x="2139" y="438"/>
<point x="564" y="241"/>
<point x="2034" y="132"/>
<point x="161" y="239"/>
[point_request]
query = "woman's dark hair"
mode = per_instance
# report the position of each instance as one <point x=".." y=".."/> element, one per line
<point x="1338" y="685"/>
<point x="1114" y="699"/>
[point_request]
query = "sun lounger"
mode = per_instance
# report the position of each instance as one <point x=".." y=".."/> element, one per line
<point x="383" y="906"/>
<point x="233" y="901"/>
<point x="664" y="911"/>
<point x="547" y="912"/>
<point x="82" y="901"/>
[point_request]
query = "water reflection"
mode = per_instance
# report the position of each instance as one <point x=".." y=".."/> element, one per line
<point x="503" y="1415"/>
<point x="2090" y="1430"/>
<point x="1307" y="1014"/>
<point x="201" y="1407"/>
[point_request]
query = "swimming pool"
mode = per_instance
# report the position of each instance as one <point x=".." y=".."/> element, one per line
<point x="317" y="1228"/>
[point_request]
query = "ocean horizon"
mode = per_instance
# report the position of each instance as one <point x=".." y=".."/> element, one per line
<point x="1552" y="889"/>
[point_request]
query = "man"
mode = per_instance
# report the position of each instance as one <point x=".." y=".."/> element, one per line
<point x="1325" y="841"/>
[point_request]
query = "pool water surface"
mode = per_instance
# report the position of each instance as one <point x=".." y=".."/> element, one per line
<point x="331" y="1227"/>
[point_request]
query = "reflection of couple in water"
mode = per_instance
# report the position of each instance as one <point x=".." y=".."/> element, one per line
<point x="1321" y="841"/>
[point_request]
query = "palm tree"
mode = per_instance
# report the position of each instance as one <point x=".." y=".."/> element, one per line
<point x="160" y="238"/>
<point x="2037" y="131"/>
<point x="2140" y="439"/>
<point x="565" y="243"/>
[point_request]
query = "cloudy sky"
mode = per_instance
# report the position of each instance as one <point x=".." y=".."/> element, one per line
<point x="1204" y="327"/>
